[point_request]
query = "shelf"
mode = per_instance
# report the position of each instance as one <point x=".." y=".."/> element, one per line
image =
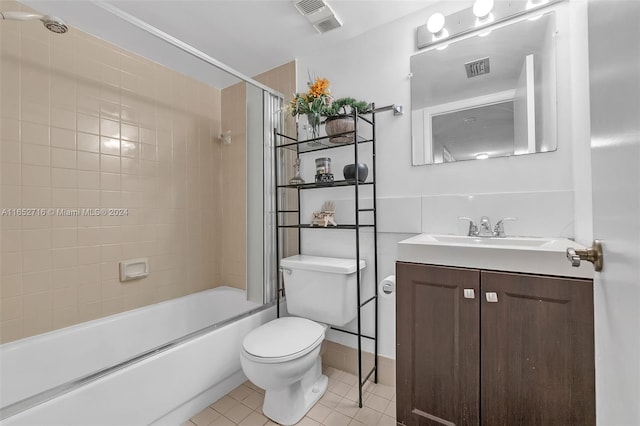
<point x="317" y="144"/>
<point x="308" y="226"/>
<point x="314" y="185"/>
<point x="291" y="215"/>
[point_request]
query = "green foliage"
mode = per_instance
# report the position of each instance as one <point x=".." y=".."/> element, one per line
<point x="346" y="106"/>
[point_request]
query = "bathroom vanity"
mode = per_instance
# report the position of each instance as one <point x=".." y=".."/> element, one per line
<point x="482" y="339"/>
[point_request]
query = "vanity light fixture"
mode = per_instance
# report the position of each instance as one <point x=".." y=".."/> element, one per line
<point x="477" y="20"/>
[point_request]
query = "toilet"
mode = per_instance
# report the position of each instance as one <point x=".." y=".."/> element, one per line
<point x="283" y="355"/>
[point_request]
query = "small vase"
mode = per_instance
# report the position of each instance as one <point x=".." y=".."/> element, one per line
<point x="313" y="121"/>
<point x="350" y="172"/>
<point x="296" y="179"/>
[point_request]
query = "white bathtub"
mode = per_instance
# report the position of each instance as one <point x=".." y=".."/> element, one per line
<point x="163" y="387"/>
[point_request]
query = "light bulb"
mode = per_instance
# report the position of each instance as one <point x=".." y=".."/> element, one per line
<point x="482" y="8"/>
<point x="435" y="24"/>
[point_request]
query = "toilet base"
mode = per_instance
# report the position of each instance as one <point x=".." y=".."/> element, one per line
<point x="287" y="406"/>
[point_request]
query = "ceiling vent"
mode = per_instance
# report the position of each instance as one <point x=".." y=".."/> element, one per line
<point x="319" y="13"/>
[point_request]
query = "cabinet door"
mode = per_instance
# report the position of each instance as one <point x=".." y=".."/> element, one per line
<point x="537" y="356"/>
<point x="437" y="350"/>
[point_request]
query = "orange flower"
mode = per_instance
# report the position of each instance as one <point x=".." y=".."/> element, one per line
<point x="315" y="101"/>
<point x="319" y="88"/>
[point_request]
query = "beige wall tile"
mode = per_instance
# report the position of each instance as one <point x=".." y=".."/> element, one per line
<point x="35" y="197"/>
<point x="11" y="151"/>
<point x="63" y="158"/>
<point x="88" y="123"/>
<point x="63" y="124"/>
<point x="65" y="316"/>
<point x="11" y="173"/>
<point x="36" y="260"/>
<point x="10" y="308"/>
<point x="64" y="178"/>
<point x="36" y="175"/>
<point x="38" y="323"/>
<point x="36" y="282"/>
<point x="88" y="142"/>
<point x="11" y="240"/>
<point x="11" y="285"/>
<point x="11" y="197"/>
<point x="36" y="239"/>
<point x="38" y="155"/>
<point x="11" y="330"/>
<point x="11" y="263"/>
<point x="64" y="278"/>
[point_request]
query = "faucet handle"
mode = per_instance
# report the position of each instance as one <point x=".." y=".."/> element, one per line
<point x="473" y="228"/>
<point x="498" y="230"/>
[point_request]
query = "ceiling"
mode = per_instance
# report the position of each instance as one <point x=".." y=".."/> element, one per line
<point x="250" y="36"/>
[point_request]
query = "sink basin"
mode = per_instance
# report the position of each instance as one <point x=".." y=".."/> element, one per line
<point x="500" y="242"/>
<point x="545" y="256"/>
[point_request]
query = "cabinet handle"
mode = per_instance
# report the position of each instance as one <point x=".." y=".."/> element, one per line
<point x="469" y="293"/>
<point x="492" y="297"/>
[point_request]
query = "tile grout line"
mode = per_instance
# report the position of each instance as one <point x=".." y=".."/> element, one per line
<point x="378" y="409"/>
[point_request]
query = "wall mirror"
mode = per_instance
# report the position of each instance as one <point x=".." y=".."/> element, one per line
<point x="492" y="94"/>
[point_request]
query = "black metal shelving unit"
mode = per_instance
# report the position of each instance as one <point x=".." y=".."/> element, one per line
<point x="319" y="144"/>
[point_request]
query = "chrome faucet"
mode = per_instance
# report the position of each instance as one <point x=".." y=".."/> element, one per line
<point x="473" y="228"/>
<point x="498" y="230"/>
<point x="485" y="227"/>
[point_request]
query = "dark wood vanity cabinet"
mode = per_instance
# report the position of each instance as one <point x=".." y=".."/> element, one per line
<point x="493" y="348"/>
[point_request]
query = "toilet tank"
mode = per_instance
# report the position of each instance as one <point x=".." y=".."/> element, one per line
<point x="322" y="289"/>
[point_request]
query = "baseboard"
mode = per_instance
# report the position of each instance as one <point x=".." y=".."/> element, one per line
<point x="346" y="359"/>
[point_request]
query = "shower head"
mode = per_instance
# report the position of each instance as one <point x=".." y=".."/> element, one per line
<point x="54" y="24"/>
<point x="51" y="23"/>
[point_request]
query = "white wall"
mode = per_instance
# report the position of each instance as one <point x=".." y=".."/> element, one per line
<point x="375" y="67"/>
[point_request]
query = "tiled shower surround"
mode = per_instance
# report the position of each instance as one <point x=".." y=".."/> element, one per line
<point x="86" y="125"/>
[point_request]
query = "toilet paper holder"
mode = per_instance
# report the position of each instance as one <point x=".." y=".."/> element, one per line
<point x="388" y="285"/>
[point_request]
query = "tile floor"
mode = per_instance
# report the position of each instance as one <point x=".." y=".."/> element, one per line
<point x="338" y="407"/>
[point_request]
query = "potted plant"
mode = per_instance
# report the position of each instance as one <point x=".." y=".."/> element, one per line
<point x="314" y="103"/>
<point x="340" y="118"/>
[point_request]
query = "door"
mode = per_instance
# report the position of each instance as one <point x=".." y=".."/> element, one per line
<point x="614" y="68"/>
<point x="536" y="350"/>
<point x="437" y="331"/>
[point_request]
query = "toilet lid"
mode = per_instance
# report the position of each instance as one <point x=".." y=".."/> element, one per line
<point x="283" y="337"/>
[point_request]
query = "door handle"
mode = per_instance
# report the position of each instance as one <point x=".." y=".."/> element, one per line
<point x="592" y="254"/>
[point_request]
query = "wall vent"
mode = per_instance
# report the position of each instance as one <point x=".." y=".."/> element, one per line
<point x="319" y="13"/>
<point x="307" y="7"/>
<point x="477" y="67"/>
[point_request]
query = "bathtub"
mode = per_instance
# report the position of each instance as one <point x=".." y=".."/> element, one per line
<point x="159" y="364"/>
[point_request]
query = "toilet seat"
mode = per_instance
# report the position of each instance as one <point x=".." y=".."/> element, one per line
<point x="282" y="339"/>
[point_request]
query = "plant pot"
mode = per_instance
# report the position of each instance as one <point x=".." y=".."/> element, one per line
<point x="349" y="172"/>
<point x="340" y="124"/>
